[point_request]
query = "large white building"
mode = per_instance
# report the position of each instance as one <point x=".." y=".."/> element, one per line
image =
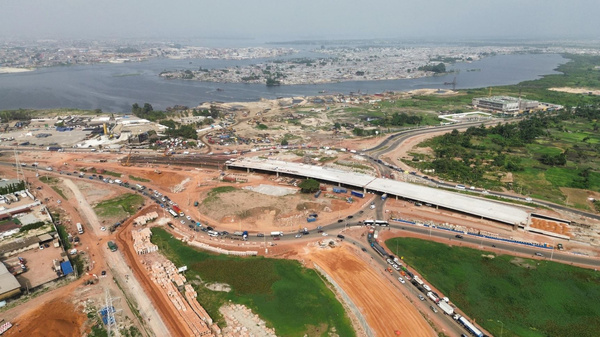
<point x="504" y="103"/>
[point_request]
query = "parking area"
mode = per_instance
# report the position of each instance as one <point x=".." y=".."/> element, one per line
<point x="40" y="267"/>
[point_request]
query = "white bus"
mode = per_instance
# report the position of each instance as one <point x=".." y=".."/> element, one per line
<point x="382" y="223"/>
<point x="173" y="213"/>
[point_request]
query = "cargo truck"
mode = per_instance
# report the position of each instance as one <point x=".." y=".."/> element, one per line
<point x="276" y="233"/>
<point x="178" y="211"/>
<point x="311" y="219"/>
<point x="446" y="308"/>
<point x="243" y="234"/>
<point x="357" y="194"/>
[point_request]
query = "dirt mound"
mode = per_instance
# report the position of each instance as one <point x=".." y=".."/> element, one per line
<point x="56" y="318"/>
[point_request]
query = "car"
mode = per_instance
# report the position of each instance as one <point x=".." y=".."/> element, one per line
<point x="324" y="234"/>
<point x="320" y="227"/>
<point x="189" y="218"/>
<point x="182" y="221"/>
<point x="390" y="261"/>
<point x="364" y="249"/>
<point x="395" y="266"/>
<point x="539" y="254"/>
<point x="103" y="273"/>
<point x="401" y="279"/>
<point x="260" y="235"/>
<point x="298" y="236"/>
<point x="41" y="246"/>
<point x="210" y="228"/>
<point x="421" y="297"/>
<point x="103" y="228"/>
<point x="320" y="231"/>
<point x="433" y="309"/>
<point x="350" y="216"/>
<point x="191" y="226"/>
<point x="458" y="236"/>
<point x="340" y="220"/>
<point x="372" y="206"/>
<point x="528" y="199"/>
<point x="340" y="236"/>
<point x="276" y="238"/>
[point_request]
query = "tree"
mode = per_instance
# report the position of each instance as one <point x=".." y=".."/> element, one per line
<point x="284" y="142"/>
<point x="214" y="111"/>
<point x="309" y="186"/>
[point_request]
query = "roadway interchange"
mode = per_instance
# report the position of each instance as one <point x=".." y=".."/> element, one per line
<point x="393" y="141"/>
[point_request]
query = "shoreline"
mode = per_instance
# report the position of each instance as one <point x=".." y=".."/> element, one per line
<point x="11" y="70"/>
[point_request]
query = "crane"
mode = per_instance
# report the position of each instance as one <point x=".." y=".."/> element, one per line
<point x="127" y="163"/>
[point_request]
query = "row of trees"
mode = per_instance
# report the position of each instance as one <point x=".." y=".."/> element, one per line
<point x="12" y="188"/>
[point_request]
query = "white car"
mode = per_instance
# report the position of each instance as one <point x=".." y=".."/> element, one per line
<point x="103" y="228"/>
<point x="189" y="218"/>
<point x="324" y="234"/>
<point x="401" y="279"/>
<point x="182" y="222"/>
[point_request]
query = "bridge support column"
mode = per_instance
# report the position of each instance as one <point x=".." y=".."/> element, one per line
<point x="248" y="170"/>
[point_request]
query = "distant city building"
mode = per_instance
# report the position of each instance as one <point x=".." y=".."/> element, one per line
<point x="504" y="103"/>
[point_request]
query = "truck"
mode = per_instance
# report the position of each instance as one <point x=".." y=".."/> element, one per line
<point x="112" y="246"/>
<point x="357" y="194"/>
<point x="318" y="194"/>
<point x="418" y="280"/>
<point x="79" y="228"/>
<point x="470" y="327"/>
<point x="339" y="190"/>
<point x="140" y="187"/>
<point x="311" y="219"/>
<point x="276" y="233"/>
<point x="446" y="308"/>
<point x="178" y="210"/>
<point x="54" y="148"/>
<point x="243" y="234"/>
<point x="432" y="297"/>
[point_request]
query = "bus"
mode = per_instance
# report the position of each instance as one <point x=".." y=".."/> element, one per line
<point x="382" y="223"/>
<point x="79" y="228"/>
<point x="173" y="213"/>
<point x="213" y="233"/>
<point x="369" y="222"/>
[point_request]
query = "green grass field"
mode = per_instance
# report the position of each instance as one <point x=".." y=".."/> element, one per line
<point x="292" y="299"/>
<point x="213" y="195"/>
<point x="123" y="205"/>
<point x="531" y="299"/>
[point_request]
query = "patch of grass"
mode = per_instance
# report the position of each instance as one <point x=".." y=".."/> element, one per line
<point x="144" y="180"/>
<point x="288" y="297"/>
<point x="59" y="191"/>
<point x="110" y="173"/>
<point x="213" y="195"/>
<point x="126" y="204"/>
<point x="326" y="159"/>
<point x="48" y="180"/>
<point x="533" y="298"/>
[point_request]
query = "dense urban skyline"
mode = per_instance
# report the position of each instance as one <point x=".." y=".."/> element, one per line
<point x="310" y="19"/>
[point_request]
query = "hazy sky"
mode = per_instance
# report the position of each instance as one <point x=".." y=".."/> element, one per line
<point x="300" y="19"/>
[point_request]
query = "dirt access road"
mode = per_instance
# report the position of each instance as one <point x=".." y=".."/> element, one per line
<point x="120" y="268"/>
<point x="384" y="308"/>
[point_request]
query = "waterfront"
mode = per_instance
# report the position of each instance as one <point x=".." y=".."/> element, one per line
<point x="114" y="87"/>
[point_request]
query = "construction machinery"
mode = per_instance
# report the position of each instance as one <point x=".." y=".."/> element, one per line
<point x="127" y="163"/>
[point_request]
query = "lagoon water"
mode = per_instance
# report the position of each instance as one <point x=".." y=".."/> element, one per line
<point x="115" y="87"/>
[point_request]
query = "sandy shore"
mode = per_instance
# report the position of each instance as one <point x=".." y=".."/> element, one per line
<point x="577" y="90"/>
<point x="8" y="70"/>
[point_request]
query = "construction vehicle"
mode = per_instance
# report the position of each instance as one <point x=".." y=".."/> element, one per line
<point x="127" y="163"/>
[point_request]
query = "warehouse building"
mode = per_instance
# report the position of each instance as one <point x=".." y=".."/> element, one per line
<point x="9" y="286"/>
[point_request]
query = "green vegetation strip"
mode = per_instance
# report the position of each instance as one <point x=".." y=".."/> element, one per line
<point x="144" y="180"/>
<point x="532" y="298"/>
<point x="290" y="298"/>
<point x="213" y="195"/>
<point x="126" y="203"/>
